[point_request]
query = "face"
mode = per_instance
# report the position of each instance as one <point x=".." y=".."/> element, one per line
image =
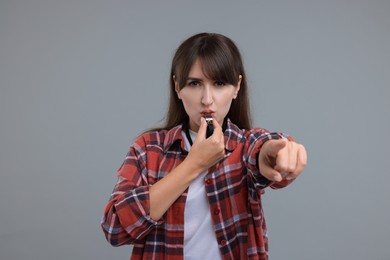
<point x="202" y="96"/>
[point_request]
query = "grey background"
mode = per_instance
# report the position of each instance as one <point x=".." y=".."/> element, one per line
<point x="79" y="80"/>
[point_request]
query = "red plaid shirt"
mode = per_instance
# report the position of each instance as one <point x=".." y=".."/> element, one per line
<point x="234" y="186"/>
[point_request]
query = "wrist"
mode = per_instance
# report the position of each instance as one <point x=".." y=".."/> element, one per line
<point x="193" y="167"/>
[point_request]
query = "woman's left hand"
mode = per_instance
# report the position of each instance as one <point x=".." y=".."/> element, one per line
<point x="282" y="158"/>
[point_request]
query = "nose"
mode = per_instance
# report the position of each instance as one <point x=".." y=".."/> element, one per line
<point x="207" y="96"/>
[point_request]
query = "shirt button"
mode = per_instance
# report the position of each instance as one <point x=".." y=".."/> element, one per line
<point x="223" y="242"/>
<point x="208" y="181"/>
<point x="216" y="211"/>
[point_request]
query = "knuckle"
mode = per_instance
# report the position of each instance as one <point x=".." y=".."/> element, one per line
<point x="283" y="167"/>
<point x="290" y="168"/>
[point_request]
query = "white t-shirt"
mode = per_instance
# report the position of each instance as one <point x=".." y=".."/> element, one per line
<point x="200" y="241"/>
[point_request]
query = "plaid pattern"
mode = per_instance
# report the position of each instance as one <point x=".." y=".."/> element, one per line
<point x="234" y="187"/>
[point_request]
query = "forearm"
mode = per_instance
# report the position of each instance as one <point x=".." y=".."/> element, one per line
<point x="115" y="233"/>
<point x="167" y="190"/>
<point x="125" y="219"/>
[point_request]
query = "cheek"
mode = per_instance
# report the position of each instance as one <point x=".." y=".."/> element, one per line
<point x="223" y="108"/>
<point x="189" y="101"/>
<point x="225" y="101"/>
<point x="226" y="107"/>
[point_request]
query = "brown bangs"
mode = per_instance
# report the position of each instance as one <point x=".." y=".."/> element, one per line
<point x="218" y="69"/>
<point x="218" y="60"/>
<point x="218" y="64"/>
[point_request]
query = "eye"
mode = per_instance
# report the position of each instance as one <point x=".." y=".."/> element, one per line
<point x="219" y="83"/>
<point x="193" y="83"/>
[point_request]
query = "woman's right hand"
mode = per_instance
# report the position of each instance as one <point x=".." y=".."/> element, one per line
<point x="205" y="152"/>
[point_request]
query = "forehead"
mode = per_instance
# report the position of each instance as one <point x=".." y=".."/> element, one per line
<point x="198" y="70"/>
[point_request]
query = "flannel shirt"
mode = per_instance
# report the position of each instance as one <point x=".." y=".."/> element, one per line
<point x="234" y="187"/>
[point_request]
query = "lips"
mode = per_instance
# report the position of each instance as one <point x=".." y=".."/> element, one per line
<point x="208" y="113"/>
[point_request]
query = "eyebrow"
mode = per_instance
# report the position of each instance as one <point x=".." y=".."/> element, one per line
<point x="193" y="78"/>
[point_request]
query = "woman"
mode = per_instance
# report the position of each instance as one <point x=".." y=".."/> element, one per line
<point x="181" y="194"/>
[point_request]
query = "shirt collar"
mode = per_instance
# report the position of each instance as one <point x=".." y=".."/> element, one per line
<point x="232" y="135"/>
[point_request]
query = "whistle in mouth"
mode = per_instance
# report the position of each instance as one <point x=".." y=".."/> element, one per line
<point x="210" y="126"/>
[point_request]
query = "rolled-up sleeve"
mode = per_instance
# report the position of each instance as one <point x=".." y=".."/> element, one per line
<point x="126" y="218"/>
<point x="255" y="140"/>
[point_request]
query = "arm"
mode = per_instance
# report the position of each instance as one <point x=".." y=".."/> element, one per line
<point x="126" y="217"/>
<point x="203" y="154"/>
<point x="135" y="205"/>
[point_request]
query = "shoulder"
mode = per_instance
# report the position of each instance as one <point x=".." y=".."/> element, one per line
<point x="243" y="133"/>
<point x="158" y="138"/>
<point x="151" y="138"/>
<point x="150" y="141"/>
<point x="253" y="135"/>
<point x="255" y="132"/>
<point x="235" y="135"/>
<point x="262" y="134"/>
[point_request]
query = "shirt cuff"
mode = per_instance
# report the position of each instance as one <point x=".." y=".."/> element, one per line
<point x="257" y="140"/>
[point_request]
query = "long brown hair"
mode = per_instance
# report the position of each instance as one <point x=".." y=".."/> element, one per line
<point x="221" y="60"/>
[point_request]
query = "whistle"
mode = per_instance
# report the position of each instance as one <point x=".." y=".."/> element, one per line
<point x="210" y="126"/>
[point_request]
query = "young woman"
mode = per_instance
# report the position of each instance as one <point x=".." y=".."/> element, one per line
<point x="184" y="195"/>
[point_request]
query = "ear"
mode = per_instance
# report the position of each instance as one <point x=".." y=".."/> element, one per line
<point x="177" y="88"/>
<point x="237" y="87"/>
